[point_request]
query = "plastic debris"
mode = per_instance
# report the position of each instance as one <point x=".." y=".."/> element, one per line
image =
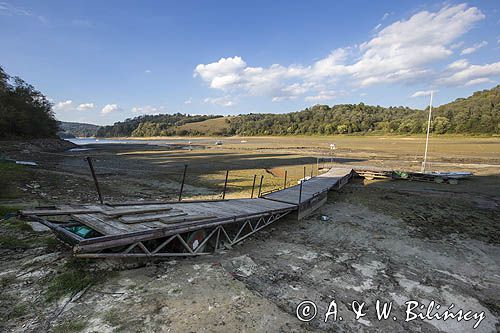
<point x="26" y="163"/>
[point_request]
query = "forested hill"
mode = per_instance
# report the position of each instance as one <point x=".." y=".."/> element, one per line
<point x="71" y="129"/>
<point x="477" y="114"/>
<point x="157" y="125"/>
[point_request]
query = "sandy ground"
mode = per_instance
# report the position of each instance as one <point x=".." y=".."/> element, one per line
<point x="387" y="241"/>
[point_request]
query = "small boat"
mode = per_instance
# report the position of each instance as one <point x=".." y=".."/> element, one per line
<point x="423" y="175"/>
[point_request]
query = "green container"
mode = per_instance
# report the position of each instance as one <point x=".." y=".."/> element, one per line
<point x="82" y="231"/>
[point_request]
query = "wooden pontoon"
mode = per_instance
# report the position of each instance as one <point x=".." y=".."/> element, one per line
<point x="186" y="228"/>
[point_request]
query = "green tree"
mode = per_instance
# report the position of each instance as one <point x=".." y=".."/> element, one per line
<point x="24" y="111"/>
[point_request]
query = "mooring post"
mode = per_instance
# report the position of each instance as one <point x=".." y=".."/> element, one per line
<point x="304" y="173"/>
<point x="253" y="185"/>
<point x="260" y="186"/>
<point x="284" y="183"/>
<point x="300" y="197"/>
<point x="182" y="182"/>
<point x="312" y="168"/>
<point x="225" y="186"/>
<point x="89" y="160"/>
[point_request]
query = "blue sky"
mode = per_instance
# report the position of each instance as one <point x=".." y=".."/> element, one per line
<point x="104" y="61"/>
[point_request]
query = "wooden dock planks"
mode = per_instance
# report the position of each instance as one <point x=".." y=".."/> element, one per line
<point x="116" y="221"/>
<point x="311" y="187"/>
<point x="129" y="218"/>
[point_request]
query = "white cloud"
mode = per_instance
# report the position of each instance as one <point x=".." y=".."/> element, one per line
<point x="322" y="96"/>
<point x="478" y="81"/>
<point x="474" y="48"/>
<point x="188" y="101"/>
<point x="223" y="73"/>
<point x="69" y="105"/>
<point x="456" y="45"/>
<point x="110" y="108"/>
<point x="148" y="109"/>
<point x="11" y="10"/>
<point x="402" y="52"/>
<point x="64" y="105"/>
<point x="377" y="26"/>
<point x="386" y="15"/>
<point x="147" y="71"/>
<point x="459" y="64"/>
<point x="85" y="106"/>
<point x="467" y="74"/>
<point x="220" y="101"/>
<point x="422" y="93"/>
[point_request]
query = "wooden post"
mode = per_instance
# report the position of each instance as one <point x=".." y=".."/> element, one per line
<point x="260" y="186"/>
<point x="182" y="182"/>
<point x="300" y="198"/>
<point x="312" y="169"/>
<point x="304" y="173"/>
<point x="284" y="183"/>
<point x="89" y="160"/>
<point x="225" y="186"/>
<point x="253" y="185"/>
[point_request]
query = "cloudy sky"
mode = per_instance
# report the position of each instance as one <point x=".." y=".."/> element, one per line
<point x="104" y="61"/>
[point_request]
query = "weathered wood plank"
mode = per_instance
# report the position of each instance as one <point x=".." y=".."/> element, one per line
<point x="190" y="218"/>
<point x="135" y="211"/>
<point x="148" y="218"/>
<point x="310" y="188"/>
<point x="55" y="212"/>
<point x="96" y="224"/>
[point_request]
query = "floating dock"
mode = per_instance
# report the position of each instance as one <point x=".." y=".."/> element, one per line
<point x="185" y="228"/>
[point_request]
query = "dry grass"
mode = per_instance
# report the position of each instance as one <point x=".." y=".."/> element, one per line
<point x="272" y="156"/>
<point x="210" y="126"/>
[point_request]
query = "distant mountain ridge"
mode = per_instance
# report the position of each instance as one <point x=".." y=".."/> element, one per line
<point x="73" y="129"/>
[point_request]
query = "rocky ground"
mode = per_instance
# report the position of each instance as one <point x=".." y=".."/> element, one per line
<point x="387" y="241"/>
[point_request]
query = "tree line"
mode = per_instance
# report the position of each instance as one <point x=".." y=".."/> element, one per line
<point x="148" y="125"/>
<point x="477" y="114"/>
<point x="25" y="112"/>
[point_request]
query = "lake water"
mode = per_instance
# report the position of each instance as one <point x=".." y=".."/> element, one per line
<point x="159" y="142"/>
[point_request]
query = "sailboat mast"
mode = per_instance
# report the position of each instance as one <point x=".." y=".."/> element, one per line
<point x="427" y="138"/>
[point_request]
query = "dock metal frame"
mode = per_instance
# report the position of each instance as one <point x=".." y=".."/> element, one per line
<point x="220" y="233"/>
<point x="175" y="239"/>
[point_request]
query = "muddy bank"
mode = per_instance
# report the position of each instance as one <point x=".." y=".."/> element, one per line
<point x="392" y="241"/>
<point x="23" y="148"/>
<point x="373" y="247"/>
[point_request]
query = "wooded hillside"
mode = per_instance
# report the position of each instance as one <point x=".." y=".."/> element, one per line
<point x="78" y="129"/>
<point x="158" y="125"/>
<point x="25" y="113"/>
<point x="477" y="114"/>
